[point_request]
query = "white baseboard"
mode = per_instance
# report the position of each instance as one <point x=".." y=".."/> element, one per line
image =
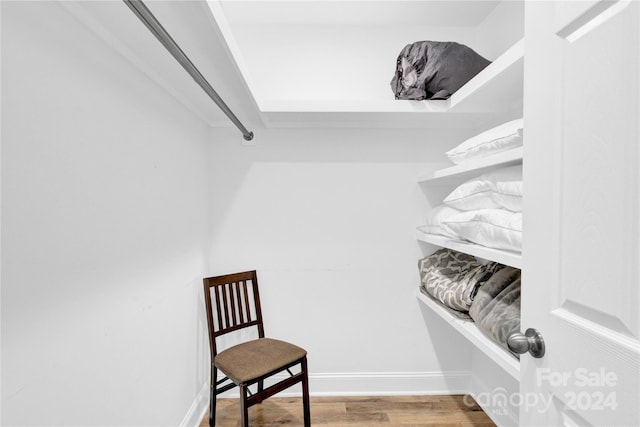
<point x="198" y="408"/>
<point x="355" y="384"/>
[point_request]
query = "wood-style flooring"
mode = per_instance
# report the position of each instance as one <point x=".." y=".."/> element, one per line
<point x="388" y="411"/>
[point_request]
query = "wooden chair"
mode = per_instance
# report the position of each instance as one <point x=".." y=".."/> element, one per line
<point x="237" y="306"/>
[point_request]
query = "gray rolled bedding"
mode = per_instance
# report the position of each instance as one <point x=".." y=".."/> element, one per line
<point x="434" y="70"/>
<point x="496" y="306"/>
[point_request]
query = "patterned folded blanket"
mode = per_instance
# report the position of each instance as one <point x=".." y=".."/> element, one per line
<point x="452" y="277"/>
<point x="464" y="315"/>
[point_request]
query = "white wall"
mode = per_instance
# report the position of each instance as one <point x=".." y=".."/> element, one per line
<point x="501" y="29"/>
<point x="325" y="62"/>
<point x="328" y="219"/>
<point x="105" y="212"/>
<point x="354" y="62"/>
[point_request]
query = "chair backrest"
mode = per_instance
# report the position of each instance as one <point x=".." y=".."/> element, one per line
<point x="237" y="305"/>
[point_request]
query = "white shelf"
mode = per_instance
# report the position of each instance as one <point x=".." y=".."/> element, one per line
<point x="498" y="86"/>
<point x="513" y="259"/>
<point x="474" y="168"/>
<point x="470" y="331"/>
<point x="496" y="89"/>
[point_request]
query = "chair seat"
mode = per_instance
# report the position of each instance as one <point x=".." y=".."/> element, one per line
<point x="253" y="359"/>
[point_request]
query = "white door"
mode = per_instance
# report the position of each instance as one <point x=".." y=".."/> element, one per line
<point x="581" y="271"/>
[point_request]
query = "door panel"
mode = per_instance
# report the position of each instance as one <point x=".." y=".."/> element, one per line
<point x="581" y="212"/>
<point x="599" y="113"/>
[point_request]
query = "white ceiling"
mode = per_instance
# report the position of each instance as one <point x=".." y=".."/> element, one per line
<point x="432" y="13"/>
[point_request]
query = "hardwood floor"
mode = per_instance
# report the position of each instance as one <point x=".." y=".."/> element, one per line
<point x="388" y="411"/>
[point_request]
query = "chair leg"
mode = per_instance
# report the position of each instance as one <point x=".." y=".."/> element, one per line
<point x="305" y="394"/>
<point x="212" y="402"/>
<point x="244" y="409"/>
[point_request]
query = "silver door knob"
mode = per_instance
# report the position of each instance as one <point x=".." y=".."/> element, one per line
<point x="531" y="341"/>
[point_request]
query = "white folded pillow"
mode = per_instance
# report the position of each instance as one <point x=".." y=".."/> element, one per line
<point x="500" y="138"/>
<point x="494" y="228"/>
<point x="501" y="188"/>
<point x="438" y="215"/>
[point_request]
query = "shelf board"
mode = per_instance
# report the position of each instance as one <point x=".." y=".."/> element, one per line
<point x="496" y="89"/>
<point x="500" y="83"/>
<point x="474" y="168"/>
<point x="471" y="332"/>
<point x="513" y="259"/>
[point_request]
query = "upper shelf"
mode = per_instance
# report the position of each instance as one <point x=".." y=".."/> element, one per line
<point x="496" y="89"/>
<point x="472" y="168"/>
<point x="318" y="82"/>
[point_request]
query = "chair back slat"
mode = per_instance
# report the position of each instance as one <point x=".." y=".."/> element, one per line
<point x="228" y="295"/>
<point x="227" y="310"/>
<point x="237" y="304"/>
<point x="240" y="309"/>
<point x="246" y="300"/>
<point x="219" y="311"/>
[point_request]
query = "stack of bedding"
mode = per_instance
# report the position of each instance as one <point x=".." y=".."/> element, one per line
<point x="488" y="294"/>
<point x="486" y="210"/>
<point x="496" y="306"/>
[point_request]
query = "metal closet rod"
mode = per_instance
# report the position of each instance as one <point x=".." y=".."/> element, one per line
<point x="150" y="21"/>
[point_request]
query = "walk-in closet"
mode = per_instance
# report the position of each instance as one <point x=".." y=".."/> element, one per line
<point x="148" y="145"/>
